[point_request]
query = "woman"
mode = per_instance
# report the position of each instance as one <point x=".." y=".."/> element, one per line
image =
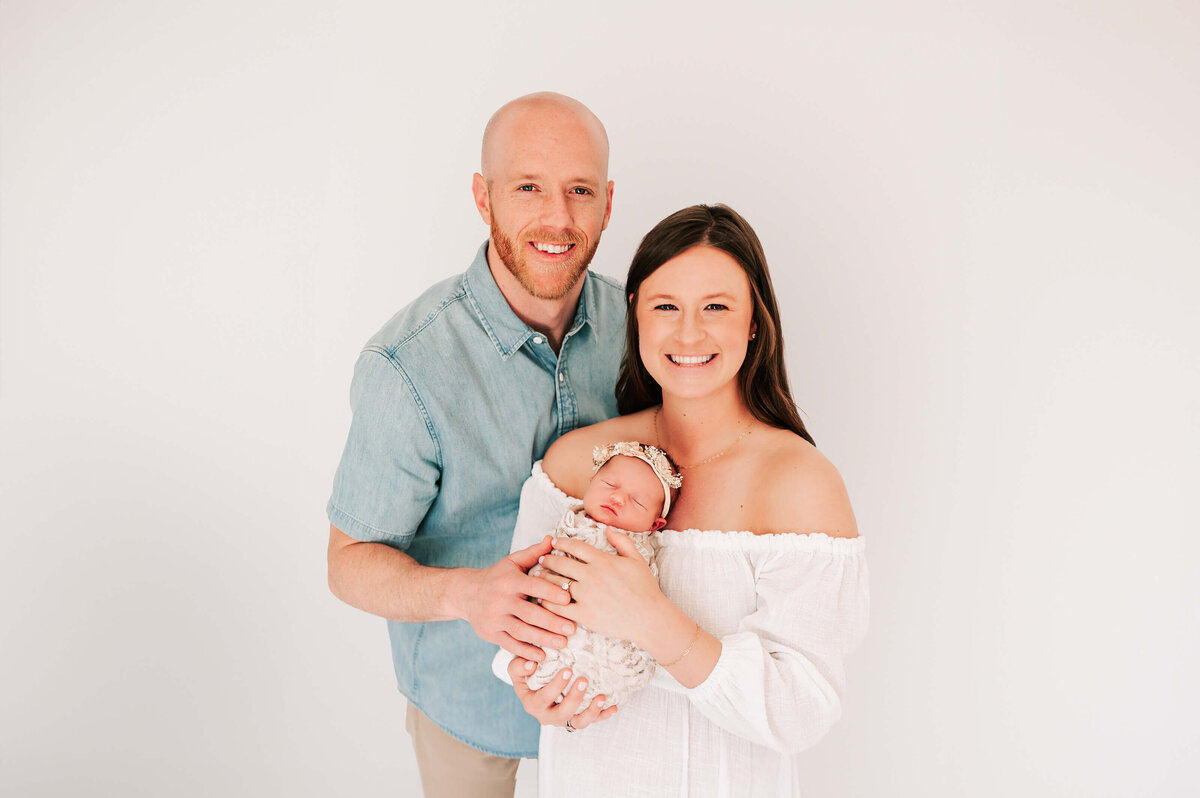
<point x="762" y="578"/>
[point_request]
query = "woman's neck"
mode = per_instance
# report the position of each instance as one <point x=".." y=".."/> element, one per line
<point x="693" y="429"/>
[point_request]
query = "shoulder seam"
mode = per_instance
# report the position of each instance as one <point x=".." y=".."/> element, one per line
<point x="457" y="296"/>
<point x="392" y="360"/>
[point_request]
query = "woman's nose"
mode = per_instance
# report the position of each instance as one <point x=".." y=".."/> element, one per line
<point x="690" y="328"/>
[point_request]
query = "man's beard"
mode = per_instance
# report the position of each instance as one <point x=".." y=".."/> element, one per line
<point x="564" y="277"/>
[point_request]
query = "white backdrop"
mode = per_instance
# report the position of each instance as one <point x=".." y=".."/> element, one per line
<point x="983" y="223"/>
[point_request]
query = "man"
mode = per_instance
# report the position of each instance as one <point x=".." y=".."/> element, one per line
<point x="453" y="400"/>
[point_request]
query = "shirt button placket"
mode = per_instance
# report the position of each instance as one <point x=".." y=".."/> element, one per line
<point x="567" y="410"/>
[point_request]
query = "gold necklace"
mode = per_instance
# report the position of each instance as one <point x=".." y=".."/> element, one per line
<point x="706" y="460"/>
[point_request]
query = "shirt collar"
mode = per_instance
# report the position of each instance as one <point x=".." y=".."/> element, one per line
<point x="507" y="331"/>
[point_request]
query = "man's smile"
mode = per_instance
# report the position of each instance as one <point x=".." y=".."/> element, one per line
<point x="552" y="249"/>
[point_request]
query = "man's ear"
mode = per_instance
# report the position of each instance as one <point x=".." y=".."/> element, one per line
<point x="658" y="524"/>
<point x="608" y="206"/>
<point x="483" y="203"/>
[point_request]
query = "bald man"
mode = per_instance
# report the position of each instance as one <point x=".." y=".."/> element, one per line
<point x="453" y="401"/>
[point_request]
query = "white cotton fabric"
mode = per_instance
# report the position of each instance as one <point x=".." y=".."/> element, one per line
<point x="615" y="668"/>
<point x="787" y="608"/>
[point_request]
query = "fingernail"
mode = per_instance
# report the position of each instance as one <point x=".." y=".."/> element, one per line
<point x="541" y="558"/>
<point x="529" y="666"/>
<point x="581" y="686"/>
<point x="566" y="675"/>
<point x="567" y="628"/>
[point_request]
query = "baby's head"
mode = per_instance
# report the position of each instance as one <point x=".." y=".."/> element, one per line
<point x="633" y="486"/>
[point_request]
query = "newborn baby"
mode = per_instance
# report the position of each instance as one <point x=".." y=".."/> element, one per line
<point x="631" y="492"/>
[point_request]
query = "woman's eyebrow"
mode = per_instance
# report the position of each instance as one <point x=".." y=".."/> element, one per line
<point x="705" y="298"/>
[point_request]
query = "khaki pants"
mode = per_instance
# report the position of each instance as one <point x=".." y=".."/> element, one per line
<point x="453" y="769"/>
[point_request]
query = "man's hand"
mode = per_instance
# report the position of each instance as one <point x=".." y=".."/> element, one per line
<point x="493" y="601"/>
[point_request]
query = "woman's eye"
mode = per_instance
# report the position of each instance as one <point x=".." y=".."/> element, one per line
<point x="665" y="306"/>
<point x="715" y="306"/>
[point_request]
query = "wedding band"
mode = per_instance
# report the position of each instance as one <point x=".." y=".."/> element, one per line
<point x="570" y="728"/>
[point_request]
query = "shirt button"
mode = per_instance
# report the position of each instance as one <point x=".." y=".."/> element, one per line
<point x="537" y="339"/>
<point x="562" y="377"/>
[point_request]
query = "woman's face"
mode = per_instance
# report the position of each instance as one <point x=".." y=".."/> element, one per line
<point x="695" y="317"/>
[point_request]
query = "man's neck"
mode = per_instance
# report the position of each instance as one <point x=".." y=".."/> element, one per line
<point x="550" y="317"/>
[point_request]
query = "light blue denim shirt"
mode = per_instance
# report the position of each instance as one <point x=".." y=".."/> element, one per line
<point x="454" y="399"/>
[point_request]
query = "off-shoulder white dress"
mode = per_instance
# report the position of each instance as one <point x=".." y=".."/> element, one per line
<point x="787" y="608"/>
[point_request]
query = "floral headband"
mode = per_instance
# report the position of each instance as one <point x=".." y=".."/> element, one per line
<point x="652" y="456"/>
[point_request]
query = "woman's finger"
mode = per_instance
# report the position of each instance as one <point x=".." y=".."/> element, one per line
<point x="578" y="549"/>
<point x="622" y="543"/>
<point x="548" y="590"/>
<point x="518" y="669"/>
<point x="564" y="566"/>
<point x="589" y="713"/>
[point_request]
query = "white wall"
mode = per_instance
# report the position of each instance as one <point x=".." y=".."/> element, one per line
<point x="982" y="219"/>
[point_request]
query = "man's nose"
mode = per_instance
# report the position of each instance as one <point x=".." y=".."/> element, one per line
<point x="556" y="213"/>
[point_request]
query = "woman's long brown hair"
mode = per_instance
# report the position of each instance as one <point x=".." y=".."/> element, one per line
<point x="763" y="376"/>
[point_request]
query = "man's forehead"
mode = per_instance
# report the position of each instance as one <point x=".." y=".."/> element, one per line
<point x="534" y="129"/>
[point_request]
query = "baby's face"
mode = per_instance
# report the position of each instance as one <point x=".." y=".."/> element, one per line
<point x="625" y="493"/>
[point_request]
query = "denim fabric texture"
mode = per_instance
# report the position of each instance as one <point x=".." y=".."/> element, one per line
<point x="453" y="401"/>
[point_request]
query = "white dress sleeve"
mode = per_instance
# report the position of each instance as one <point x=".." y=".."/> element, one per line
<point x="542" y="505"/>
<point x="780" y="676"/>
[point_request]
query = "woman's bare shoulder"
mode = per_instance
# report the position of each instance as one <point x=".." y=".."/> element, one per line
<point x="800" y="490"/>
<point x="568" y="461"/>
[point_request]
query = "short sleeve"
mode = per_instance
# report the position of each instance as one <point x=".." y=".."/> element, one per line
<point x="389" y="473"/>
<point x="780" y="677"/>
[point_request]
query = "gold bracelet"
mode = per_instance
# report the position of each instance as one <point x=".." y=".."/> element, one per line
<point x="686" y="651"/>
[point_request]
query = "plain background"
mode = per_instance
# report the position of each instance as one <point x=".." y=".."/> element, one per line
<point x="983" y="224"/>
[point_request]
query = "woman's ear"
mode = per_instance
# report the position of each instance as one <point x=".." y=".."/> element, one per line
<point x="658" y="524"/>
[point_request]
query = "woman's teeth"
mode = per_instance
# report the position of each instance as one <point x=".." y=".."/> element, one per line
<point x="695" y="360"/>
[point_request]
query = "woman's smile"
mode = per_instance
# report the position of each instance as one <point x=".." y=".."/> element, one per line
<point x="695" y="318"/>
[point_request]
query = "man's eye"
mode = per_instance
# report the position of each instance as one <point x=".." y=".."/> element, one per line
<point x="525" y="188"/>
<point x="581" y="190"/>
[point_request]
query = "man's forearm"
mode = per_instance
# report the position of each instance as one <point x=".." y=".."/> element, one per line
<point x="386" y="582"/>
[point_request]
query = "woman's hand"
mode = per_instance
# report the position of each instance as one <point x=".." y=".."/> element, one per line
<point x="615" y="595"/>
<point x="540" y="703"/>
